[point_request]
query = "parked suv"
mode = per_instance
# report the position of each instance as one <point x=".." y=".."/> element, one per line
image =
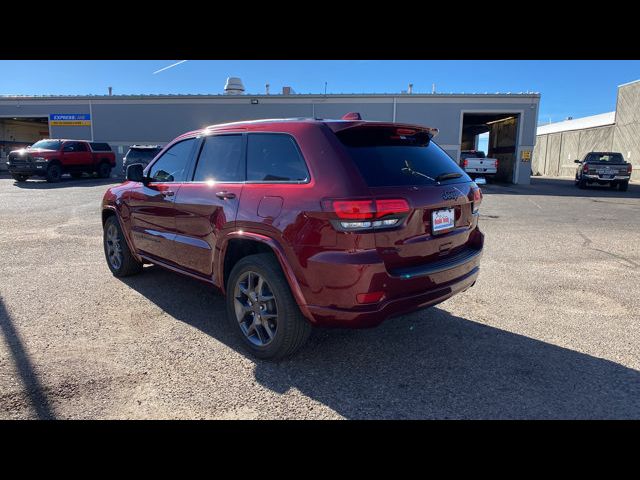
<point x="302" y="222"/>
<point x="603" y="168"/>
<point x="53" y="158"/>
<point x="139" y="154"/>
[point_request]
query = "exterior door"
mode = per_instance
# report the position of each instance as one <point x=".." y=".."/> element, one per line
<point x="76" y="155"/>
<point x="151" y="206"/>
<point x="206" y="206"/>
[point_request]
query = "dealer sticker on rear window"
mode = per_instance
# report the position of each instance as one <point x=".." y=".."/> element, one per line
<point x="442" y="220"/>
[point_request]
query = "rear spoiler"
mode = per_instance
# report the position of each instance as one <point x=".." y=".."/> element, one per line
<point x="339" y="126"/>
<point x="401" y="128"/>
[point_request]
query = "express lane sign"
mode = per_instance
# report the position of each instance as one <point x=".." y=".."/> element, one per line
<point x="70" y="119"/>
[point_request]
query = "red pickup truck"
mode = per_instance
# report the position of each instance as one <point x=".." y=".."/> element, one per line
<point x="53" y="158"/>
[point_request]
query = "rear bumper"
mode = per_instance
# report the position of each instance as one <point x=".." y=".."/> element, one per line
<point x="405" y="290"/>
<point x="616" y="178"/>
<point x="365" y="317"/>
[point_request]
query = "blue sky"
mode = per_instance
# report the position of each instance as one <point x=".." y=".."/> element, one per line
<point x="568" y="88"/>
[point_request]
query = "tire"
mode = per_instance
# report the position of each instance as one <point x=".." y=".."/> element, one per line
<point x="582" y="183"/>
<point x="54" y="173"/>
<point x="104" y="170"/>
<point x="19" y="177"/>
<point x="114" y="242"/>
<point x="291" y="329"/>
<point x="76" y="175"/>
<point x="623" y="186"/>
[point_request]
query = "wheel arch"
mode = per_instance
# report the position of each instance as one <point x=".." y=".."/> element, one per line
<point x="237" y="245"/>
<point x="109" y="211"/>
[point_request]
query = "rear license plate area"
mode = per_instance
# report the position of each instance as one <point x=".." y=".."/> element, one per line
<point x="442" y="220"/>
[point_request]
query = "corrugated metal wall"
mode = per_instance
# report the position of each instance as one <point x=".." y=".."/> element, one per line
<point x="122" y="121"/>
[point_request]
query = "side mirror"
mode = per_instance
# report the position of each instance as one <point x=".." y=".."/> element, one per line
<point x="577" y="161"/>
<point x="135" y="173"/>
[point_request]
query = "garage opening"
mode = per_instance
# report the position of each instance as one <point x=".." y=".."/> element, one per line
<point x="20" y="132"/>
<point x="500" y="132"/>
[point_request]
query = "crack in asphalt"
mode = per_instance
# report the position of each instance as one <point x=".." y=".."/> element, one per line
<point x="587" y="242"/>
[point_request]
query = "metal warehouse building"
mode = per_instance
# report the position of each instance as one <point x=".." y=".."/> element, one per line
<point x="123" y="120"/>
<point x="559" y="144"/>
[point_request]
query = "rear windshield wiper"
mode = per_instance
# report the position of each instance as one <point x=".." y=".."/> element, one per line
<point x="409" y="169"/>
<point x="447" y="176"/>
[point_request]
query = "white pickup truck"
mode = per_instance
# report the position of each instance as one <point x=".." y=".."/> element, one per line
<point x="475" y="163"/>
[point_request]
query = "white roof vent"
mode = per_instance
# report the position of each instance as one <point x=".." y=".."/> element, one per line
<point x="233" y="86"/>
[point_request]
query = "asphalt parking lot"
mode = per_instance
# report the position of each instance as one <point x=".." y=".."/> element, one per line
<point x="551" y="329"/>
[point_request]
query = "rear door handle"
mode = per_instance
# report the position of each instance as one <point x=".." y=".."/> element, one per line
<point x="168" y="193"/>
<point x="225" y="195"/>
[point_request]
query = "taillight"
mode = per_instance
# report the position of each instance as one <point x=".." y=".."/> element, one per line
<point x="497" y="164"/>
<point x="386" y="207"/>
<point x="354" y="209"/>
<point x="366" y="214"/>
<point x="585" y="169"/>
<point x="477" y="200"/>
<point x="465" y="162"/>
<point x="629" y="168"/>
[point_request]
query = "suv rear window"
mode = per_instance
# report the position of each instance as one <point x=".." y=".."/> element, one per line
<point x="100" y="147"/>
<point x="145" y="155"/>
<point x="274" y="157"/>
<point x="388" y="156"/>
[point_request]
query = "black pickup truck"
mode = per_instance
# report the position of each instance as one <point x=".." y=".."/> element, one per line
<point x="603" y="168"/>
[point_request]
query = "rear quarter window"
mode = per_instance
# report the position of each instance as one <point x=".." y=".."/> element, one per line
<point x="386" y="158"/>
<point x="274" y="157"/>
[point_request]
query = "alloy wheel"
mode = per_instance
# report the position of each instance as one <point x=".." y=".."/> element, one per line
<point x="114" y="250"/>
<point x="256" y="308"/>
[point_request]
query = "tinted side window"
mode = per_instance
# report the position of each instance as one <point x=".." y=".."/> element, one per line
<point x="274" y="158"/>
<point x="221" y="160"/>
<point x="172" y="165"/>
<point x="100" y="147"/>
<point x="80" y="147"/>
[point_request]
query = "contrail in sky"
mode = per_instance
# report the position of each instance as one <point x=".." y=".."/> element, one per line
<point x="170" y="66"/>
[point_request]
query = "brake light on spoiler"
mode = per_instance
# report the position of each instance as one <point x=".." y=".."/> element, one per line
<point x="365" y="214"/>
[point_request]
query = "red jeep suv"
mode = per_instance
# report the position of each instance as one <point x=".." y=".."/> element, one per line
<point x="302" y="222"/>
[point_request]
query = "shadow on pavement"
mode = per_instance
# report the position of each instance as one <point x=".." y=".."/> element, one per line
<point x="424" y="365"/>
<point x="20" y="358"/>
<point x="66" y="181"/>
<point x="560" y="187"/>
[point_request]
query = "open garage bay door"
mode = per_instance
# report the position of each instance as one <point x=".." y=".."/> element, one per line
<point x="503" y="139"/>
<point x="20" y="132"/>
